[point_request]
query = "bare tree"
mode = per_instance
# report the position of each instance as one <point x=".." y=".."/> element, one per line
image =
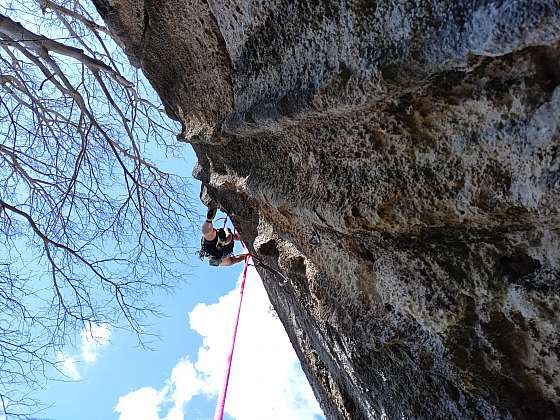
<point x="89" y="227"/>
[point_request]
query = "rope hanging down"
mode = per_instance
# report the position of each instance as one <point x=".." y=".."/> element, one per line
<point x="219" y="413"/>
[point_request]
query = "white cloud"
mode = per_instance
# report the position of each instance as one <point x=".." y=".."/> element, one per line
<point x="93" y="339"/>
<point x="266" y="380"/>
<point x="186" y="383"/>
<point x="67" y="365"/>
<point x="141" y="404"/>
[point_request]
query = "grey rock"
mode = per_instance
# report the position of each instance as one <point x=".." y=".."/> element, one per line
<point x="420" y="141"/>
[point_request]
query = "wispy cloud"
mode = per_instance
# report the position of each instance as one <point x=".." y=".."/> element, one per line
<point x="266" y="379"/>
<point x="93" y="339"/>
<point x="67" y="365"/>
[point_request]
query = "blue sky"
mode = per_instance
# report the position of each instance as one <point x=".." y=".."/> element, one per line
<point x="180" y="376"/>
<point x="266" y="382"/>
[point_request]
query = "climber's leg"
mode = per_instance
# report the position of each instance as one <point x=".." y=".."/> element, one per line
<point x="208" y="231"/>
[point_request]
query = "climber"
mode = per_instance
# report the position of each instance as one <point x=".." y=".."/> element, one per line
<point x="217" y="244"/>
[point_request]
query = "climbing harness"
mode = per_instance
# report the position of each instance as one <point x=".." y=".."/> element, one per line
<point x="217" y="248"/>
<point x="210" y="250"/>
<point x="219" y="413"/>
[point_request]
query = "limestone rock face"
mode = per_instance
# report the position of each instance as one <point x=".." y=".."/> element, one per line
<point x="398" y="163"/>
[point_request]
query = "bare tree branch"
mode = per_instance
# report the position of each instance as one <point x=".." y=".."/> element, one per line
<point x="46" y="4"/>
<point x="41" y="44"/>
<point x="90" y="227"/>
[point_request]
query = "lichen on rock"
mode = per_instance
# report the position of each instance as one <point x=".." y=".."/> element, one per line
<point x="398" y="162"/>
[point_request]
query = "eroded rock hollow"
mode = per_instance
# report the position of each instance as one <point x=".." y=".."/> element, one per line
<point x="398" y="162"/>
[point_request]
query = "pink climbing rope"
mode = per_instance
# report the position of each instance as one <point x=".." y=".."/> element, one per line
<point x="219" y="413"/>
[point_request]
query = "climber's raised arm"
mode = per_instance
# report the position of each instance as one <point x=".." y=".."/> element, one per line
<point x="232" y="259"/>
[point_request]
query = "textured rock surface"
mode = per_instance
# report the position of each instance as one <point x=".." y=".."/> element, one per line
<point x="398" y="161"/>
